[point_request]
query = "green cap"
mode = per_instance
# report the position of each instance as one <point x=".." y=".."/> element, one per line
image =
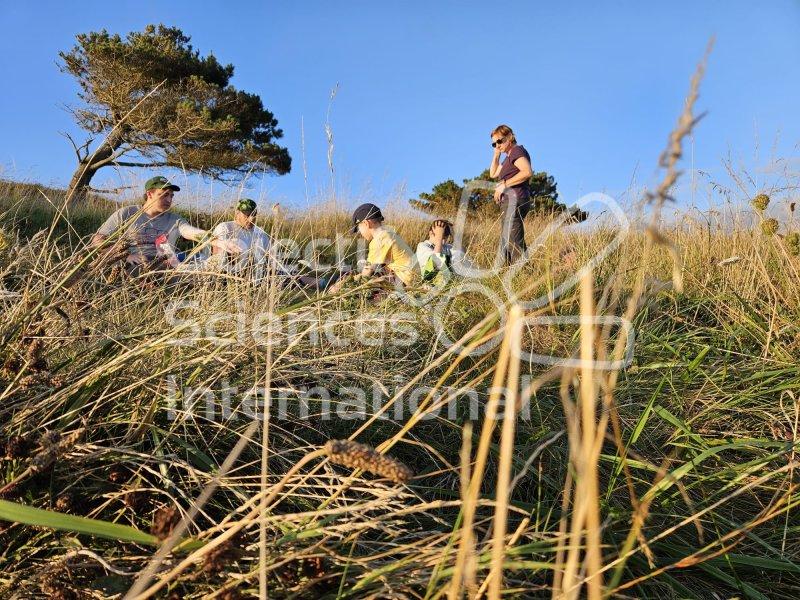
<point x="246" y="205"/>
<point x="160" y="183"/>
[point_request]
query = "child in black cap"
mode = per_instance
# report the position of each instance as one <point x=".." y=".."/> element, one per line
<point x="386" y="249"/>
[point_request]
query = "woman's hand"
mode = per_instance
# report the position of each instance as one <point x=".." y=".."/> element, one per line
<point x="499" y="191"/>
<point x="494" y="168"/>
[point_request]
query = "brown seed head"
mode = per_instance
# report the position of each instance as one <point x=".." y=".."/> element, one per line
<point x="33" y="355"/>
<point x="165" y="521"/>
<point x="64" y="503"/>
<point x="53" y="446"/>
<point x="12" y="365"/>
<point x="114" y="274"/>
<point x="50" y="438"/>
<point x="119" y="473"/>
<point x="360" y="456"/>
<point x="221" y="556"/>
<point x="50" y="442"/>
<point x="136" y="500"/>
<point x="19" y="446"/>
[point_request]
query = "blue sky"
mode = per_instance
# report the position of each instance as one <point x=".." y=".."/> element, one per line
<point x="591" y="89"/>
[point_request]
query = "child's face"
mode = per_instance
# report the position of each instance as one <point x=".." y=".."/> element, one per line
<point x="365" y="230"/>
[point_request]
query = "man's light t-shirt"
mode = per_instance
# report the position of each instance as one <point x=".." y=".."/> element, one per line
<point x="142" y="232"/>
<point x="255" y="245"/>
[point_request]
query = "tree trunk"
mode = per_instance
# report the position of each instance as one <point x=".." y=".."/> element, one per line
<point x="79" y="184"/>
<point x="89" y="165"/>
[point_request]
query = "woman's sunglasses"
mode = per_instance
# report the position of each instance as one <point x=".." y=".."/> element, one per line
<point x="498" y="142"/>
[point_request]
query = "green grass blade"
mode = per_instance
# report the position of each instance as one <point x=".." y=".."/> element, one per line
<point x="29" y="515"/>
<point x="748" y="590"/>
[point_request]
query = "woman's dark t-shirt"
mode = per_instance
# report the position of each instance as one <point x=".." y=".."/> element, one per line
<point x="508" y="170"/>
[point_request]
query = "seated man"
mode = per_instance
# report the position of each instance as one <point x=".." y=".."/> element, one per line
<point x="256" y="256"/>
<point x="151" y="231"/>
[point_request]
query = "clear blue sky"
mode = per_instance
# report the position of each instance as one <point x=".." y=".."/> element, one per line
<point x="591" y="89"/>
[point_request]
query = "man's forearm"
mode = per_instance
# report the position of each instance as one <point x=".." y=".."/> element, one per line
<point x="97" y="240"/>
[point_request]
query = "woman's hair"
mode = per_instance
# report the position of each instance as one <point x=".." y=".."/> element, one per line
<point x="504" y="130"/>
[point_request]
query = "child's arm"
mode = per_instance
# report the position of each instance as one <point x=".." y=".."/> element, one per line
<point x="366" y="272"/>
<point x="438" y="235"/>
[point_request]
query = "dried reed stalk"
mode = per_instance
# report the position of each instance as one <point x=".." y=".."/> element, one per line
<point x="584" y="455"/>
<point x="514" y="331"/>
<point x="466" y="563"/>
<point x="669" y="160"/>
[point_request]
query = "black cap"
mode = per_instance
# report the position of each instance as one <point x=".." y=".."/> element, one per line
<point x="246" y="205"/>
<point x="364" y="212"/>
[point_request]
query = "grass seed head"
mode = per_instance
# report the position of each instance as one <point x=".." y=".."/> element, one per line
<point x="360" y="456"/>
<point x="136" y="500"/>
<point x="165" y="521"/>
<point x="222" y="555"/>
<point x="41" y="379"/>
<point x="11" y="365"/>
<point x="50" y="438"/>
<point x="115" y="273"/>
<point x="119" y="474"/>
<point x="64" y="503"/>
<point x="34" y="356"/>
<point x="769" y="227"/>
<point x="760" y="202"/>
<point x="53" y="446"/>
<point x="19" y="446"/>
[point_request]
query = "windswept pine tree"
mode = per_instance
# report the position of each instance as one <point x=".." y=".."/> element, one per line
<point x="151" y="100"/>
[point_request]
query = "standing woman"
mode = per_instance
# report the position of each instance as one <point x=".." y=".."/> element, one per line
<point x="513" y="192"/>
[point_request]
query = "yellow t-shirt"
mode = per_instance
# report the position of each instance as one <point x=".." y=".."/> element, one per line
<point x="387" y="248"/>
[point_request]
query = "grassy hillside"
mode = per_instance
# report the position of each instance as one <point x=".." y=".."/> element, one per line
<point x="672" y="476"/>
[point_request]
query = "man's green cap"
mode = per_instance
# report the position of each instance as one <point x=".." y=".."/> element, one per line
<point x="160" y="183"/>
<point x="247" y="206"/>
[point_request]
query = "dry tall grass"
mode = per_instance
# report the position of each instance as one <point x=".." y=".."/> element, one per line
<point x="688" y="494"/>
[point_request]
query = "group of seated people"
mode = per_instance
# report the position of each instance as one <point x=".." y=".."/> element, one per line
<point x="150" y="233"/>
